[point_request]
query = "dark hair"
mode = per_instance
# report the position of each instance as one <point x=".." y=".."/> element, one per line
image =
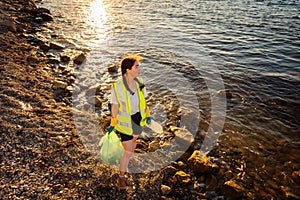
<point x="128" y="61"/>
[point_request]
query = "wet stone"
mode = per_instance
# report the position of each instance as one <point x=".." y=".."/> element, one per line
<point x="182" y="178"/>
<point x="56" y="46"/>
<point x="296" y="177"/>
<point x="200" y="163"/>
<point x="79" y="58"/>
<point x="232" y="190"/>
<point x="183" y="138"/>
<point x="165" y="189"/>
<point x="60" y="84"/>
<point x="95" y="100"/>
<point x="112" y="69"/>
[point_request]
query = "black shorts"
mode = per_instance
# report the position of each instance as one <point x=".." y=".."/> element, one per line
<point x="137" y="129"/>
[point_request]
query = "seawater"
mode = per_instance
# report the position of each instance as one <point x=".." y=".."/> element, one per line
<point x="194" y="50"/>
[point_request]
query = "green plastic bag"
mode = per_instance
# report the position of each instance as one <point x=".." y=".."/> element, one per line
<point x="111" y="148"/>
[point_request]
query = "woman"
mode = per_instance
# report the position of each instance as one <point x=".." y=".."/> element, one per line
<point x="128" y="110"/>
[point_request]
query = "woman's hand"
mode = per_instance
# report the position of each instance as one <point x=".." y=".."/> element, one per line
<point x="113" y="123"/>
<point x="148" y="115"/>
<point x="148" y="120"/>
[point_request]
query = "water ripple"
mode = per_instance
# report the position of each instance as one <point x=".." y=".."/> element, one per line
<point x="254" y="43"/>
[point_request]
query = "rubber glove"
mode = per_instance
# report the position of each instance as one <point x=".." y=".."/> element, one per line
<point x="149" y="119"/>
<point x="148" y="116"/>
<point x="113" y="123"/>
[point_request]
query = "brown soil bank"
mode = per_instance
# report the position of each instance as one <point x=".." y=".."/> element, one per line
<point x="42" y="155"/>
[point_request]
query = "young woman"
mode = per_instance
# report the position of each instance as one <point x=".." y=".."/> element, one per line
<point x="129" y="111"/>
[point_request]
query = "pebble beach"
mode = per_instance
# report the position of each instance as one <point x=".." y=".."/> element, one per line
<point x="42" y="155"/>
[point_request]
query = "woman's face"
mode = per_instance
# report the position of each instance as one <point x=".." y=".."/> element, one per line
<point x="135" y="70"/>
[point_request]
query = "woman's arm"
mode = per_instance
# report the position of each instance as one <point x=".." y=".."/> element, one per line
<point x="114" y="110"/>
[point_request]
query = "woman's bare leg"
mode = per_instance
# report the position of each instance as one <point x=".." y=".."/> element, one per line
<point x="128" y="146"/>
<point x="134" y="142"/>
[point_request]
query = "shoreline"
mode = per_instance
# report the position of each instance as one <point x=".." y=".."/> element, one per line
<point x="42" y="155"/>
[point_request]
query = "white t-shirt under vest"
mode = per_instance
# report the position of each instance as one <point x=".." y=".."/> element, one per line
<point x="134" y="99"/>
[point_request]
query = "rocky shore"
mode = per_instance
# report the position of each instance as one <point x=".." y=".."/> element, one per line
<point x="42" y="155"/>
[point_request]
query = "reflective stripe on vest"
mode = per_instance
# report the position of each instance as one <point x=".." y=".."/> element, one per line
<point x="142" y="104"/>
<point x="124" y="115"/>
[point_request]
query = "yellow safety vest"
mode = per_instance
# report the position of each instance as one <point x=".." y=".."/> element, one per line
<point x="124" y="115"/>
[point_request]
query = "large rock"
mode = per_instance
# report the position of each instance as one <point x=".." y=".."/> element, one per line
<point x="79" y="58"/>
<point x="46" y="17"/>
<point x="112" y="68"/>
<point x="8" y="23"/>
<point x="70" y="54"/>
<point x="169" y="170"/>
<point x="95" y="100"/>
<point x="183" y="138"/>
<point x="232" y="190"/>
<point x="60" y="84"/>
<point x="182" y="178"/>
<point x="154" y="145"/>
<point x="93" y="90"/>
<point x="200" y="163"/>
<point x="56" y="46"/>
<point x="43" y="10"/>
<point x="165" y="189"/>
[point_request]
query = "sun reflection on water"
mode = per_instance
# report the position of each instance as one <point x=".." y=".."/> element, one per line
<point x="98" y="18"/>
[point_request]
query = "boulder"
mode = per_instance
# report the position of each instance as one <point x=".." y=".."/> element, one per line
<point x="46" y="17"/>
<point x="79" y="58"/>
<point x="232" y="190"/>
<point x="183" y="138"/>
<point x="182" y="178"/>
<point x="112" y="69"/>
<point x="70" y="54"/>
<point x="94" y="100"/>
<point x="170" y="170"/>
<point x="93" y="90"/>
<point x="200" y="163"/>
<point x="154" y="145"/>
<point x="8" y="23"/>
<point x="43" y="10"/>
<point x="165" y="189"/>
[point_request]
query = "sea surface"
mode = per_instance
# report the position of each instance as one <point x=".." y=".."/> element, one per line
<point x="233" y="64"/>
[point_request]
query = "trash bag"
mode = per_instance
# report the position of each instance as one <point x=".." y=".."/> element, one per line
<point x="155" y="126"/>
<point x="111" y="149"/>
